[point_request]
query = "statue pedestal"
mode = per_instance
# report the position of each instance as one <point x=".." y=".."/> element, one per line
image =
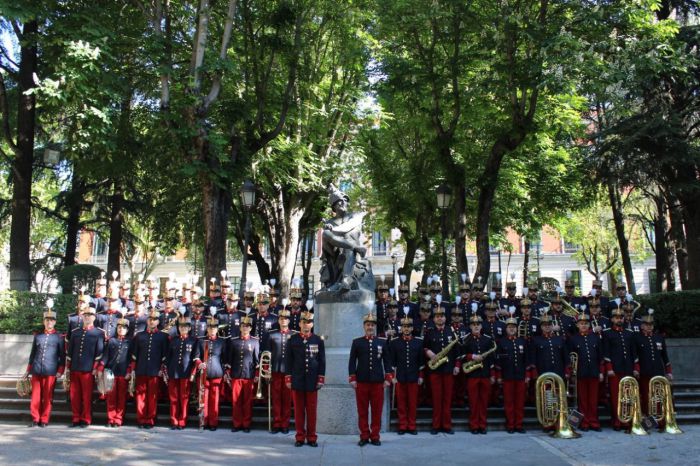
<point x="338" y="319"/>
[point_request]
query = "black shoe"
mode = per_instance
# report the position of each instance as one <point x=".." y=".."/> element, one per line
<point x="313" y="444"/>
<point x="433" y="431"/>
<point x="449" y="431"/>
<point x="475" y="431"/>
<point x="413" y="432"/>
<point x="174" y="427"/>
<point x="75" y="424"/>
<point x="511" y="431"/>
<point x="275" y="430"/>
<point x="401" y="432"/>
<point x="116" y="426"/>
<point x="376" y="443"/>
<point x="482" y="431"/>
<point x="148" y="426"/>
<point x="246" y="430"/>
<point x="213" y="428"/>
<point x="141" y="426"/>
<point x="34" y="424"/>
<point x="597" y="429"/>
<point x="236" y="429"/>
<point x="43" y="424"/>
<point x="84" y="425"/>
<point x="298" y="443"/>
<point x="520" y="431"/>
<point x="616" y="428"/>
<point x="584" y="429"/>
<point x="284" y="431"/>
<point x="362" y="443"/>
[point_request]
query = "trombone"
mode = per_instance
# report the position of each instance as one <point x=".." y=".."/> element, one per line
<point x="265" y="372"/>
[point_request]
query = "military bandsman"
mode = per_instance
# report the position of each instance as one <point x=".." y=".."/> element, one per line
<point x="511" y="372"/>
<point x="182" y="359"/>
<point x="620" y="358"/>
<point x="117" y="358"/>
<point x="653" y="357"/>
<point x="277" y="343"/>
<point x="587" y="347"/>
<point x="482" y="377"/>
<point x="242" y="370"/>
<point x="407" y="359"/>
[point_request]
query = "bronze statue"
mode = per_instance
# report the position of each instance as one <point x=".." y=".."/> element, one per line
<point x="344" y="265"/>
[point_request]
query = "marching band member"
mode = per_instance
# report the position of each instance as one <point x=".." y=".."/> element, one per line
<point x="199" y="320"/>
<point x="459" y="387"/>
<point x="404" y="294"/>
<point x="277" y="343"/>
<point x="382" y="303"/>
<point x="46" y="363"/>
<point x="296" y="308"/>
<point x="150" y="349"/>
<point x="241" y="368"/>
<point x="181" y="361"/>
<point x="85" y="350"/>
<point x="107" y="319"/>
<point x="406" y="353"/>
<point x="369" y="372"/>
<point x="305" y="375"/>
<point x="138" y="321"/>
<point x="214" y="348"/>
<point x="230" y="319"/>
<point x="263" y="321"/>
<point x="442" y="377"/>
<point x="511" y="372"/>
<point x="117" y="359"/>
<point x="392" y="323"/>
<point x="598" y="321"/>
<point x="562" y="324"/>
<point x="653" y="357"/>
<point x="587" y="346"/>
<point x="620" y="357"/>
<point x="479" y="381"/>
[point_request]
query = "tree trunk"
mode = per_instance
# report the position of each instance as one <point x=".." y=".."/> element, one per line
<point x="664" y="254"/>
<point x="679" y="243"/>
<point x="409" y="258"/>
<point x="22" y="166"/>
<point x="285" y="249"/>
<point x="616" y="205"/>
<point x="307" y="255"/>
<point x="75" y="202"/>
<point x="259" y="259"/>
<point x="116" y="223"/>
<point x="216" y="209"/>
<point x="691" y="216"/>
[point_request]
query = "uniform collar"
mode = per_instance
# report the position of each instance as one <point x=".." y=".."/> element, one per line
<point x="89" y="327"/>
<point x="305" y="335"/>
<point x="245" y="338"/>
<point x="284" y="332"/>
<point x="647" y="334"/>
<point x="407" y="338"/>
<point x="49" y="332"/>
<point x="586" y="333"/>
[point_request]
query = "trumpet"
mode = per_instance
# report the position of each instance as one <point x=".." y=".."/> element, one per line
<point x="629" y="406"/>
<point x="265" y="372"/>
<point x="661" y="404"/>
<point x="552" y="408"/>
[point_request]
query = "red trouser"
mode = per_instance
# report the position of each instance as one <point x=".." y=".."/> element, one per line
<point x="42" y="397"/>
<point x="305" y="415"/>
<point x="614" y="384"/>
<point x="242" y="395"/>
<point x="587" y="397"/>
<point x="211" y="402"/>
<point x="81" y="384"/>
<point x="514" y="403"/>
<point x="459" y="390"/>
<point x="146" y="399"/>
<point x="281" y="401"/>
<point x="479" y="389"/>
<point x="116" y="401"/>
<point x="441" y="388"/>
<point x="406" y="404"/>
<point x="369" y="395"/>
<point x="179" y="394"/>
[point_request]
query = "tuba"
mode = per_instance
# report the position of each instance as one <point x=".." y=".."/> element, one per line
<point x="265" y="372"/>
<point x="552" y="408"/>
<point x="24" y="386"/>
<point x="105" y="381"/>
<point x="629" y="405"/>
<point x="661" y="404"/>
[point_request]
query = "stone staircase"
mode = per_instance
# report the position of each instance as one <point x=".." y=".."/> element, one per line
<point x="16" y="409"/>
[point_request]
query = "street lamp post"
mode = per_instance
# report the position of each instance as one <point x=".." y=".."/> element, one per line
<point x="248" y="199"/>
<point x="394" y="259"/>
<point x="444" y="197"/>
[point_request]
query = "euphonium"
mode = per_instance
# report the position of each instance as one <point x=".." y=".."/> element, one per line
<point x="24" y="386"/>
<point x="265" y="371"/>
<point x="552" y="408"/>
<point x="629" y="406"/>
<point x="471" y="366"/>
<point x="442" y="357"/>
<point x="661" y="404"/>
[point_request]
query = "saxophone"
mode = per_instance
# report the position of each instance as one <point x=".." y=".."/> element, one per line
<point x="441" y="358"/>
<point x="471" y="366"/>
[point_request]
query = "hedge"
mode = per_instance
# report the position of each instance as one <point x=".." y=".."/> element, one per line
<point x="677" y="314"/>
<point x="21" y="312"/>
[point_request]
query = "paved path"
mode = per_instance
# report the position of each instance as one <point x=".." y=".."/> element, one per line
<point x="58" y="444"/>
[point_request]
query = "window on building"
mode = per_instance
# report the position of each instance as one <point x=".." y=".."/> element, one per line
<point x="235" y="283"/>
<point x="379" y="245"/>
<point x="653" y="279"/>
<point x="312" y="287"/>
<point x="575" y="277"/>
<point x="493" y="281"/>
<point x="99" y="247"/>
<point x="570" y="248"/>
